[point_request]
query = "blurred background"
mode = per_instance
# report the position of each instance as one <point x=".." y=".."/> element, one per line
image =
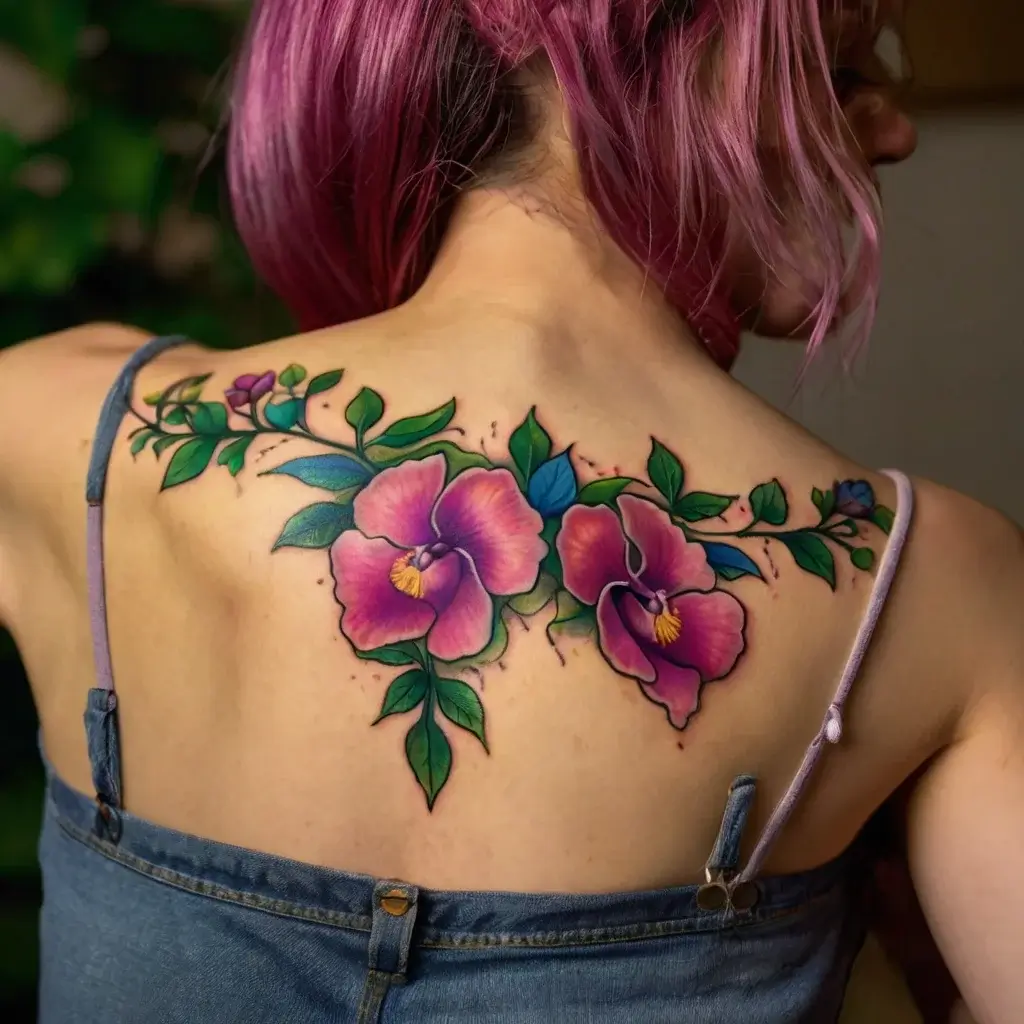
<point x="113" y="207"/>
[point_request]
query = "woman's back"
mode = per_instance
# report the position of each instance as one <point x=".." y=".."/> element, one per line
<point x="242" y="703"/>
<point x="500" y="643"/>
<point x="246" y="717"/>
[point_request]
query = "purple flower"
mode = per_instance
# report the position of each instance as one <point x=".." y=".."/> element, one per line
<point x="854" y="498"/>
<point x="249" y="389"/>
<point x="662" y="623"/>
<point x="425" y="559"/>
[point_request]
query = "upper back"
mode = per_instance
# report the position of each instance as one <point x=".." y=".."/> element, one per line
<point x="573" y="707"/>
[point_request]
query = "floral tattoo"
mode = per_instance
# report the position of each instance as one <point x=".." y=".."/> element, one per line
<point x="434" y="548"/>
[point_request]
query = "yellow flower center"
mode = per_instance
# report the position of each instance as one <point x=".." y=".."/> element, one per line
<point x="406" y="577"/>
<point x="667" y="627"/>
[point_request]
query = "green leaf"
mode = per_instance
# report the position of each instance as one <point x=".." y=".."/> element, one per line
<point x="456" y="458"/>
<point x="404" y="694"/>
<point x="768" y="504"/>
<point x="209" y="418"/>
<point x="698" y="505"/>
<point x="529" y="445"/>
<point x="284" y="415"/>
<point x="292" y="375"/>
<point x="141" y="440"/>
<point x="176" y="417"/>
<point x="364" y="412"/>
<point x="233" y="455"/>
<point x="551" y="563"/>
<point x="405" y="432"/>
<point x="323" y="382"/>
<point x="429" y="754"/>
<point x="316" y="526"/>
<point x="604" y="492"/>
<point x="189" y="461"/>
<point x="537" y="599"/>
<point x="812" y="555"/>
<point x="162" y="444"/>
<point x="824" y="502"/>
<point x="863" y="558"/>
<point x="665" y="471"/>
<point x="572" y="617"/>
<point x="332" y="472"/>
<point x="403" y="653"/>
<point x="883" y="518"/>
<point x="460" y="704"/>
<point x="191" y="386"/>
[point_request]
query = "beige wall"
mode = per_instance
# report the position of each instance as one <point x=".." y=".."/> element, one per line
<point x="941" y="392"/>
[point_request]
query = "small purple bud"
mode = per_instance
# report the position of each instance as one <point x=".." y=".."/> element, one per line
<point x="249" y="388"/>
<point x="236" y="399"/>
<point x="263" y="385"/>
<point x="855" y="498"/>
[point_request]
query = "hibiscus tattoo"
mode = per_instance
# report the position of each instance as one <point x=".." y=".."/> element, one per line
<point x="663" y="623"/>
<point x="435" y="548"/>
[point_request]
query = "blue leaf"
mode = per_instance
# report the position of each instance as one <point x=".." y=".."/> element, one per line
<point x="328" y="472"/>
<point x="730" y="563"/>
<point x="553" y="487"/>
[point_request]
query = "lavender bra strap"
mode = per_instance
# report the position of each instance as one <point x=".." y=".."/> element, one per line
<point x="832" y="727"/>
<point x="111" y="416"/>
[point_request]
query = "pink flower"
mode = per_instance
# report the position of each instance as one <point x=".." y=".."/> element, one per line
<point x="662" y="623"/>
<point x="425" y="559"/>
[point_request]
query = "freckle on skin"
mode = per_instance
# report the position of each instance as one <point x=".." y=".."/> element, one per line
<point x="320" y="583"/>
<point x="679" y="745"/>
<point x="376" y="677"/>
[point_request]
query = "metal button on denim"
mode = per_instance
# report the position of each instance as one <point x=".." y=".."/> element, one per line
<point x="712" y="896"/>
<point x="395" y="902"/>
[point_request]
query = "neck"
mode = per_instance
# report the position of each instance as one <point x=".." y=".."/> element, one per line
<point x="519" y="263"/>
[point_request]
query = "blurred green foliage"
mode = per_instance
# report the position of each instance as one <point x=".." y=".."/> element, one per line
<point x="113" y="207"/>
<point x="112" y="193"/>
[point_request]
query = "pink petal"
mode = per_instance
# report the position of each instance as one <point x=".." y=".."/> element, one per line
<point x="464" y="626"/>
<point x="374" y="612"/>
<point x="711" y="634"/>
<point x="618" y="644"/>
<point x="711" y="639"/>
<point x="592" y="547"/>
<point x="483" y="513"/>
<point x="670" y="563"/>
<point x="676" y="688"/>
<point x="396" y="504"/>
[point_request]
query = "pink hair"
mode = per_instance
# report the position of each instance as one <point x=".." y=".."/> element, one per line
<point x="356" y="124"/>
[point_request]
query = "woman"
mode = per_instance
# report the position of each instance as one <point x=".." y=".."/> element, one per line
<point x="494" y="655"/>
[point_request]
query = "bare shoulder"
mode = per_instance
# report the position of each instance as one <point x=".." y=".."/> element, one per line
<point x="966" y="566"/>
<point x="51" y="390"/>
<point x="89" y="343"/>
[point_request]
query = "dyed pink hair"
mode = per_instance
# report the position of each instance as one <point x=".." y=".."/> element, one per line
<point x="356" y="124"/>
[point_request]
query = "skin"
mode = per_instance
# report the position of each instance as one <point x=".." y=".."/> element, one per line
<point x="262" y="714"/>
